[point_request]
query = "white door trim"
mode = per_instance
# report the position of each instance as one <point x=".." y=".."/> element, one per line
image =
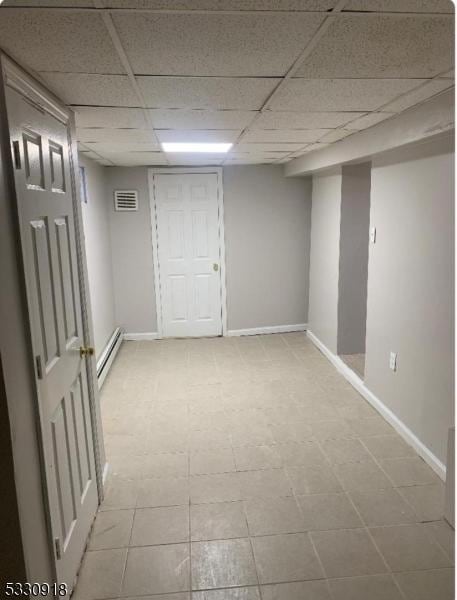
<point x="152" y="172"/>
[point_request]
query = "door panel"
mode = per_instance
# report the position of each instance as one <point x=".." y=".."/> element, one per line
<point x="33" y="156"/>
<point x="47" y="227"/>
<point x="187" y="211"/>
<point x="63" y="482"/>
<point x="66" y="276"/>
<point x="57" y="167"/>
<point x="80" y="421"/>
<point x="176" y="234"/>
<point x="199" y="234"/>
<point x="42" y="269"/>
<point x="202" y="287"/>
<point x="177" y="297"/>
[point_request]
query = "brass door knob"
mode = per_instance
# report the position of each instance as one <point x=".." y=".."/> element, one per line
<point x="215" y="267"/>
<point x="86" y="351"/>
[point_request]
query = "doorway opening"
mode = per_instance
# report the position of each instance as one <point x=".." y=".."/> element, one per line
<point x="353" y="268"/>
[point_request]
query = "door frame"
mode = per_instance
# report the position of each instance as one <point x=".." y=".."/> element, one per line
<point x="152" y="172"/>
<point x="17" y="78"/>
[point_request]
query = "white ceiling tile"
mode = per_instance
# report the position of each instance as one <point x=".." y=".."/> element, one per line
<point x="417" y="6"/>
<point x="340" y="94"/>
<point x="107" y="147"/>
<point x="52" y="40"/>
<point x="277" y="135"/>
<point x="200" y="119"/>
<point x="423" y="93"/>
<point x="273" y="147"/>
<point x="188" y="135"/>
<point x="206" y="92"/>
<point x="279" y="5"/>
<point x="250" y="160"/>
<point x="195" y="159"/>
<point x="256" y="155"/>
<point x="89" y="154"/>
<point x="82" y="88"/>
<point x="115" y="136"/>
<point x="49" y="3"/>
<point x="336" y="135"/>
<point x="303" y="120"/>
<point x="212" y="44"/>
<point x="137" y="159"/>
<point x="102" y="116"/>
<point x="369" y="120"/>
<point x="382" y="46"/>
<point x="313" y="147"/>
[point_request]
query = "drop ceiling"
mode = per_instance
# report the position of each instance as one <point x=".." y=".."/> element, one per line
<point x="277" y="78"/>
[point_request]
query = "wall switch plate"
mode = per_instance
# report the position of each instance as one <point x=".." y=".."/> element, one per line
<point x="373" y="235"/>
<point x="393" y="361"/>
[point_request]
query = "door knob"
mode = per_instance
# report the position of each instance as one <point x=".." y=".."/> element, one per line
<point x="215" y="267"/>
<point x="86" y="351"/>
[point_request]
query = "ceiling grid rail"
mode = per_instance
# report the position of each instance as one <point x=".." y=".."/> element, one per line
<point x="142" y="73"/>
<point x="345" y="126"/>
<point x="322" y="28"/>
<point x="109" y="24"/>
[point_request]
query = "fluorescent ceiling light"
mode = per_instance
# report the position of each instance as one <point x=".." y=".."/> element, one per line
<point x="191" y="147"/>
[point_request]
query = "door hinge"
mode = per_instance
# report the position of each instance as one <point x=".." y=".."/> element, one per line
<point x="39" y="370"/>
<point x="58" y="548"/>
<point x="16" y="155"/>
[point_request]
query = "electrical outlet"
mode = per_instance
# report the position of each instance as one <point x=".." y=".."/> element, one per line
<point x="393" y="361"/>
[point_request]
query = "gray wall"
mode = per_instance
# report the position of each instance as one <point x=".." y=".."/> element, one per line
<point x="267" y="238"/>
<point x="325" y="250"/>
<point x="97" y="237"/>
<point x="410" y="283"/>
<point x="410" y="289"/>
<point x="131" y="243"/>
<point x="353" y="270"/>
<point x="267" y="232"/>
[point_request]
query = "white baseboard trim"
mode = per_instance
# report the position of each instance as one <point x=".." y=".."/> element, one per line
<point x="141" y="337"/>
<point x="266" y="330"/>
<point x="105" y="473"/>
<point x="389" y="416"/>
<point x="108" y="355"/>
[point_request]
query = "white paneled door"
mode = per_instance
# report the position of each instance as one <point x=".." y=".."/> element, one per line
<point x="189" y="254"/>
<point x="40" y="148"/>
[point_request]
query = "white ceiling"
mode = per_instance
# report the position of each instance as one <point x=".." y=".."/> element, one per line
<point x="278" y="78"/>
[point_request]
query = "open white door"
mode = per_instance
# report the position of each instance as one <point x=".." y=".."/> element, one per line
<point x="189" y="253"/>
<point x="44" y="193"/>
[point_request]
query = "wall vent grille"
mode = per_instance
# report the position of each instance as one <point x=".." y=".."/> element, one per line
<point x="125" y="200"/>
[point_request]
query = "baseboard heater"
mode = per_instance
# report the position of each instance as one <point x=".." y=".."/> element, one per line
<point x="108" y="355"/>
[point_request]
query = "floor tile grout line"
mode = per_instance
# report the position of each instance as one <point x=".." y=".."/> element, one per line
<point x="367" y="530"/>
<point x="396" y="487"/>
<point x="436" y="541"/>
<point x="255" y="377"/>
<point x="389" y="570"/>
<point x="190" y="531"/>
<point x="257" y="574"/>
<point x="310" y="537"/>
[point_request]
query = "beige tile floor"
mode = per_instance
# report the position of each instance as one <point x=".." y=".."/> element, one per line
<point x="247" y="469"/>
